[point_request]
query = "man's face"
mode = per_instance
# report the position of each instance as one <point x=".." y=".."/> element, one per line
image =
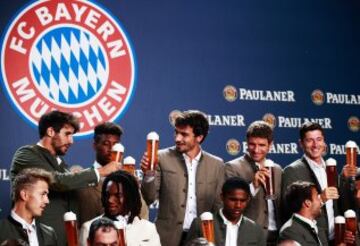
<point x="357" y="192"/>
<point x="103" y="147"/>
<point x="115" y="199"/>
<point x="185" y="139"/>
<point x="235" y="202"/>
<point x="63" y="139"/>
<point x="258" y="148"/>
<point x="315" y="206"/>
<point x="106" y="237"/>
<point x="313" y="145"/>
<point x="36" y="198"/>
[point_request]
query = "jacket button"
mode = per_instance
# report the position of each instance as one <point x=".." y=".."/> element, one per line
<point x="184" y="190"/>
<point x="183" y="205"/>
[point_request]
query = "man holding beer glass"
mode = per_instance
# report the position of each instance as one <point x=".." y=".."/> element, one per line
<point x="56" y="130"/>
<point x="264" y="178"/>
<point x="230" y="226"/>
<point x="311" y="168"/>
<point x="187" y="180"/>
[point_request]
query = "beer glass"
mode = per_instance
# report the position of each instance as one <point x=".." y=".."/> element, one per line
<point x="120" y="226"/>
<point x="129" y="165"/>
<point x="71" y="228"/>
<point x="117" y="152"/>
<point x="351" y="153"/>
<point x="207" y="226"/>
<point x="350" y="223"/>
<point x="339" y="230"/>
<point x="152" y="146"/>
<point x="270" y="184"/>
<point x="331" y="172"/>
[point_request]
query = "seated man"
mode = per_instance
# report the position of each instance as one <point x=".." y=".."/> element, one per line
<point x="121" y="201"/>
<point x="231" y="227"/>
<point x="305" y="203"/>
<point x="103" y="232"/>
<point x="30" y="197"/>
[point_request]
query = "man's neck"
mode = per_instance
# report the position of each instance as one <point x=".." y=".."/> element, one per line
<point x="23" y="213"/>
<point x="193" y="153"/>
<point x="46" y="143"/>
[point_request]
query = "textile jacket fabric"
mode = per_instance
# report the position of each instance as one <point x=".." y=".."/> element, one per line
<point x="62" y="195"/>
<point x="249" y="232"/>
<point x="170" y="187"/>
<point x="11" y="229"/>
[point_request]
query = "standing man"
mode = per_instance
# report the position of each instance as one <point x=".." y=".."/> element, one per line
<point x="250" y="167"/>
<point x="29" y="197"/>
<point x="187" y="180"/>
<point x="311" y="168"/>
<point x="56" y="130"/>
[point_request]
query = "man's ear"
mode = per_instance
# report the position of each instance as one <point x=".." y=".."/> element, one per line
<point x="307" y="203"/>
<point x="50" y="132"/>
<point x="199" y="138"/>
<point x="301" y="144"/>
<point x="24" y="195"/>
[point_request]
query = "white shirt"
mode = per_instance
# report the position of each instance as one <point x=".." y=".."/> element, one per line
<point x="320" y="173"/>
<point x="231" y="230"/>
<point x="191" y="208"/>
<point x="30" y="228"/>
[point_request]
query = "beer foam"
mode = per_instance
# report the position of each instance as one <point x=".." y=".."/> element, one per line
<point x="350" y="214"/>
<point x="118" y="147"/>
<point x="206" y="216"/>
<point x="330" y="162"/>
<point x="119" y="225"/>
<point x="152" y="136"/>
<point x="350" y="144"/>
<point x="339" y="220"/>
<point x="129" y="160"/>
<point x="69" y="216"/>
<point x="269" y="163"/>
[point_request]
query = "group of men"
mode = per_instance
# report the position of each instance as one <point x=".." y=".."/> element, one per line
<point x="187" y="182"/>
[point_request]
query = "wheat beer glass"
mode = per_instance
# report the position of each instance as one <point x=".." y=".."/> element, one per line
<point x="339" y="229"/>
<point x="270" y="182"/>
<point x="152" y="147"/>
<point x="207" y="226"/>
<point x="351" y="153"/>
<point x="71" y="229"/>
<point x="331" y="172"/>
<point x="117" y="152"/>
<point x="120" y="226"/>
<point x="129" y="165"/>
<point x="350" y="223"/>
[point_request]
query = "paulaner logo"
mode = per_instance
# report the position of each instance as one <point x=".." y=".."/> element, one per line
<point x="71" y="56"/>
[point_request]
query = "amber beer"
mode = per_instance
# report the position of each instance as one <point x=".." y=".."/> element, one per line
<point x="129" y="165"/>
<point x="339" y="230"/>
<point x="71" y="229"/>
<point x="270" y="182"/>
<point x="331" y="172"/>
<point x="207" y="226"/>
<point x="351" y="153"/>
<point x="350" y="223"/>
<point x="117" y="152"/>
<point x="152" y="146"/>
<point x="120" y="226"/>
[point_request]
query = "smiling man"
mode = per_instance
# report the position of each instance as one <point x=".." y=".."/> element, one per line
<point x="251" y="167"/>
<point x="231" y="227"/>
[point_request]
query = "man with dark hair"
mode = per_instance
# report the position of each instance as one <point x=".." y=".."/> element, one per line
<point x="29" y="197"/>
<point x="311" y="168"/>
<point x="121" y="200"/>
<point x="305" y="204"/>
<point x="231" y="227"/>
<point x="56" y="130"/>
<point x="251" y="167"/>
<point x="103" y="232"/>
<point x="187" y="181"/>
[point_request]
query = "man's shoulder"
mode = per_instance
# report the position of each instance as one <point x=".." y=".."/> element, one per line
<point x="209" y="156"/>
<point x="237" y="161"/>
<point x="47" y="229"/>
<point x="295" y="165"/>
<point x="250" y="223"/>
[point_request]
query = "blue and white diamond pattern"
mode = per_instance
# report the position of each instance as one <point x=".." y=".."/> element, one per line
<point x="69" y="65"/>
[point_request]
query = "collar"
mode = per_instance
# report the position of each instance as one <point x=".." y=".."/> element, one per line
<point x="311" y="223"/>
<point x="58" y="159"/>
<point x="313" y="164"/>
<point x="96" y="164"/>
<point x="226" y="221"/>
<point x="24" y="224"/>
<point x="197" y="157"/>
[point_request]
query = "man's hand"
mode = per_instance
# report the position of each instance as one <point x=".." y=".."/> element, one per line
<point x="329" y="193"/>
<point x="109" y="168"/>
<point x="145" y="166"/>
<point x="260" y="177"/>
<point x="349" y="171"/>
<point x="349" y="238"/>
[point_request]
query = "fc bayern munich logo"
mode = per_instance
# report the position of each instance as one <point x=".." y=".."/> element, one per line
<point x="72" y="56"/>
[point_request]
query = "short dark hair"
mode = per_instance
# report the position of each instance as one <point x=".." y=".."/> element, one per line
<point x="296" y="193"/>
<point x="260" y="129"/>
<point x="197" y="120"/>
<point x="27" y="177"/>
<point x="234" y="183"/>
<point x="131" y="192"/>
<point x="107" y="128"/>
<point x="103" y="223"/>
<point x="57" y="120"/>
<point x="310" y="126"/>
